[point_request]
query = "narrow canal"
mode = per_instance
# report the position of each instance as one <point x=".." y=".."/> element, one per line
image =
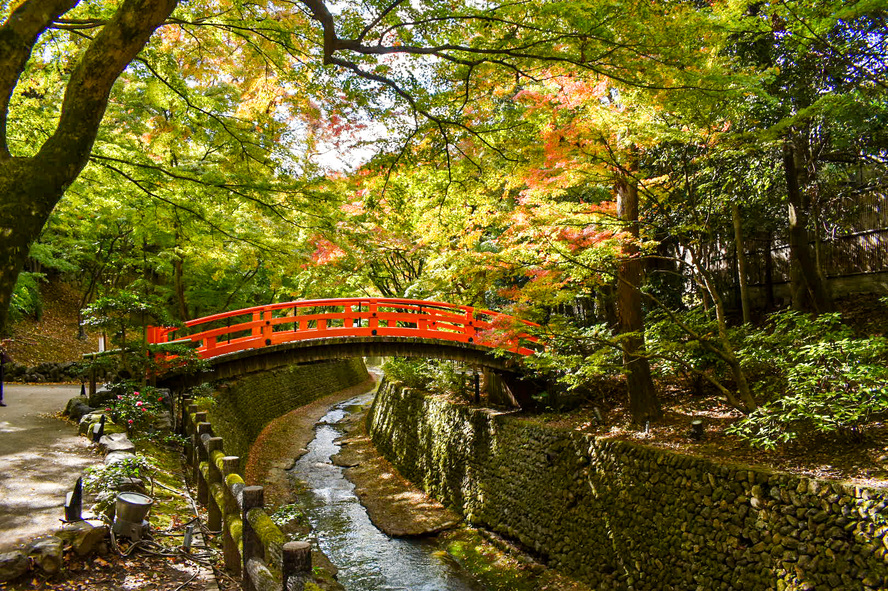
<point x="368" y="559"/>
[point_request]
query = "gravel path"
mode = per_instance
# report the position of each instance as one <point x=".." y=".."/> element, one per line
<point x="41" y="458"/>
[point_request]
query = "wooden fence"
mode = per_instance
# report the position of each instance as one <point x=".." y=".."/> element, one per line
<point x="252" y="545"/>
<point x="843" y="256"/>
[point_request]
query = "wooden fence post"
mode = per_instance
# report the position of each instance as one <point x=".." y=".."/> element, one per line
<point x="199" y="417"/>
<point x="214" y="476"/>
<point x="253" y="497"/>
<point x="229" y="546"/>
<point x="201" y="456"/>
<point x="295" y="566"/>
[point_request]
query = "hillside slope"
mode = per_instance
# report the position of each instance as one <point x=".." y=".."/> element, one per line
<point x="52" y="339"/>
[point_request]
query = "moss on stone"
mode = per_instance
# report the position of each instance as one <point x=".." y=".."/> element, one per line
<point x="616" y="514"/>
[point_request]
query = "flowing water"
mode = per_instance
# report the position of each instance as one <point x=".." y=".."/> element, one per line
<point x="368" y="559"/>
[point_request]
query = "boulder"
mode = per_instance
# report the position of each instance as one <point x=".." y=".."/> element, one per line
<point x="74" y="402"/>
<point x="46" y="554"/>
<point x="101" y="396"/>
<point x="116" y="442"/>
<point x="84" y="537"/>
<point x="79" y="410"/>
<point x="13" y="565"/>
<point x="89" y="419"/>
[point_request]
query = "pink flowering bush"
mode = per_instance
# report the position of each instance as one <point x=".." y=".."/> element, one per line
<point x="136" y="409"/>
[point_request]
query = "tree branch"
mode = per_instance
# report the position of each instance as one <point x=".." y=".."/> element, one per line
<point x="18" y="35"/>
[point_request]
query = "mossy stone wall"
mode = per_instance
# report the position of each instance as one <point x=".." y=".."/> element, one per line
<point x="244" y="406"/>
<point x="623" y="516"/>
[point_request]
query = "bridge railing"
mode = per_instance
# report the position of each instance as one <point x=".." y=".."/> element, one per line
<point x="274" y="324"/>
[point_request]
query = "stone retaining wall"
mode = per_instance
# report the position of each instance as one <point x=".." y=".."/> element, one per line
<point x="244" y="406"/>
<point x="622" y="516"/>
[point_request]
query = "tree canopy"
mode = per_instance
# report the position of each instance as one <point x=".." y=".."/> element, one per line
<point x="603" y="167"/>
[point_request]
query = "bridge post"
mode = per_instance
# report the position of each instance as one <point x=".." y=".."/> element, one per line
<point x="373" y="321"/>
<point x="257" y="330"/>
<point x="267" y="328"/>
<point x="253" y="498"/>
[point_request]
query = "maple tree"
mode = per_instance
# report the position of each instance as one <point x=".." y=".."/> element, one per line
<point x="428" y="56"/>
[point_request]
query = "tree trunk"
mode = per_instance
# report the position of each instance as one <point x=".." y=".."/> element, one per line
<point x="741" y="263"/>
<point x="769" y="272"/>
<point x="26" y="200"/>
<point x="180" y="288"/>
<point x="809" y="291"/>
<point x="643" y="402"/>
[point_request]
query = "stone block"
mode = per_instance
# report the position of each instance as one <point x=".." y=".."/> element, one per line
<point x="84" y="537"/>
<point x="13" y="565"/>
<point x="46" y="554"/>
<point x="116" y="442"/>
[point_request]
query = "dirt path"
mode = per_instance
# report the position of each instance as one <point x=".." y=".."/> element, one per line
<point x="41" y="458"/>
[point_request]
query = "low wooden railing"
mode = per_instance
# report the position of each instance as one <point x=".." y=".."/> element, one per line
<point x="274" y="324"/>
<point x="252" y="545"/>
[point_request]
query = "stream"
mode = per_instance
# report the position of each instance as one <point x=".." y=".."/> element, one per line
<point x="367" y="558"/>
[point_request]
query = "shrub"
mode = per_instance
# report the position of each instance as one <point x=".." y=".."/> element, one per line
<point x="134" y="407"/>
<point x="105" y="480"/>
<point x="818" y="376"/>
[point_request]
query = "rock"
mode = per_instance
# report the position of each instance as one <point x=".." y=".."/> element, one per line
<point x="164" y="421"/>
<point x="84" y="537"/>
<point x="115" y="457"/>
<point x="46" y="553"/>
<point x="13" y="565"/>
<point x="73" y="402"/>
<point x="88" y="419"/>
<point x="78" y="410"/>
<point x="116" y="442"/>
<point x="101" y="396"/>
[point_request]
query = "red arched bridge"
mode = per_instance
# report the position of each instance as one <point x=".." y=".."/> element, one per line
<point x="376" y="319"/>
<point x="264" y="337"/>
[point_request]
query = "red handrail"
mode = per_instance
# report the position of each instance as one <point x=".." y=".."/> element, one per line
<point x="275" y="324"/>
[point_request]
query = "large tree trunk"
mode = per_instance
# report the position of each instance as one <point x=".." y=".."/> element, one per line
<point x="809" y="290"/>
<point x="643" y="402"/>
<point x="23" y="211"/>
<point x="31" y="187"/>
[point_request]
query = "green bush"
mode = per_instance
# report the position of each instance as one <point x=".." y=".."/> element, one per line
<point x="105" y="480"/>
<point x="815" y="375"/>
<point x="25" y="296"/>
<point x="426" y="374"/>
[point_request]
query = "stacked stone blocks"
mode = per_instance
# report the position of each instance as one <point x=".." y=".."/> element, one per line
<point x="619" y="515"/>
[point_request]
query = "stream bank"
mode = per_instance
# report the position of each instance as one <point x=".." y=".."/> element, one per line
<point x="480" y="561"/>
